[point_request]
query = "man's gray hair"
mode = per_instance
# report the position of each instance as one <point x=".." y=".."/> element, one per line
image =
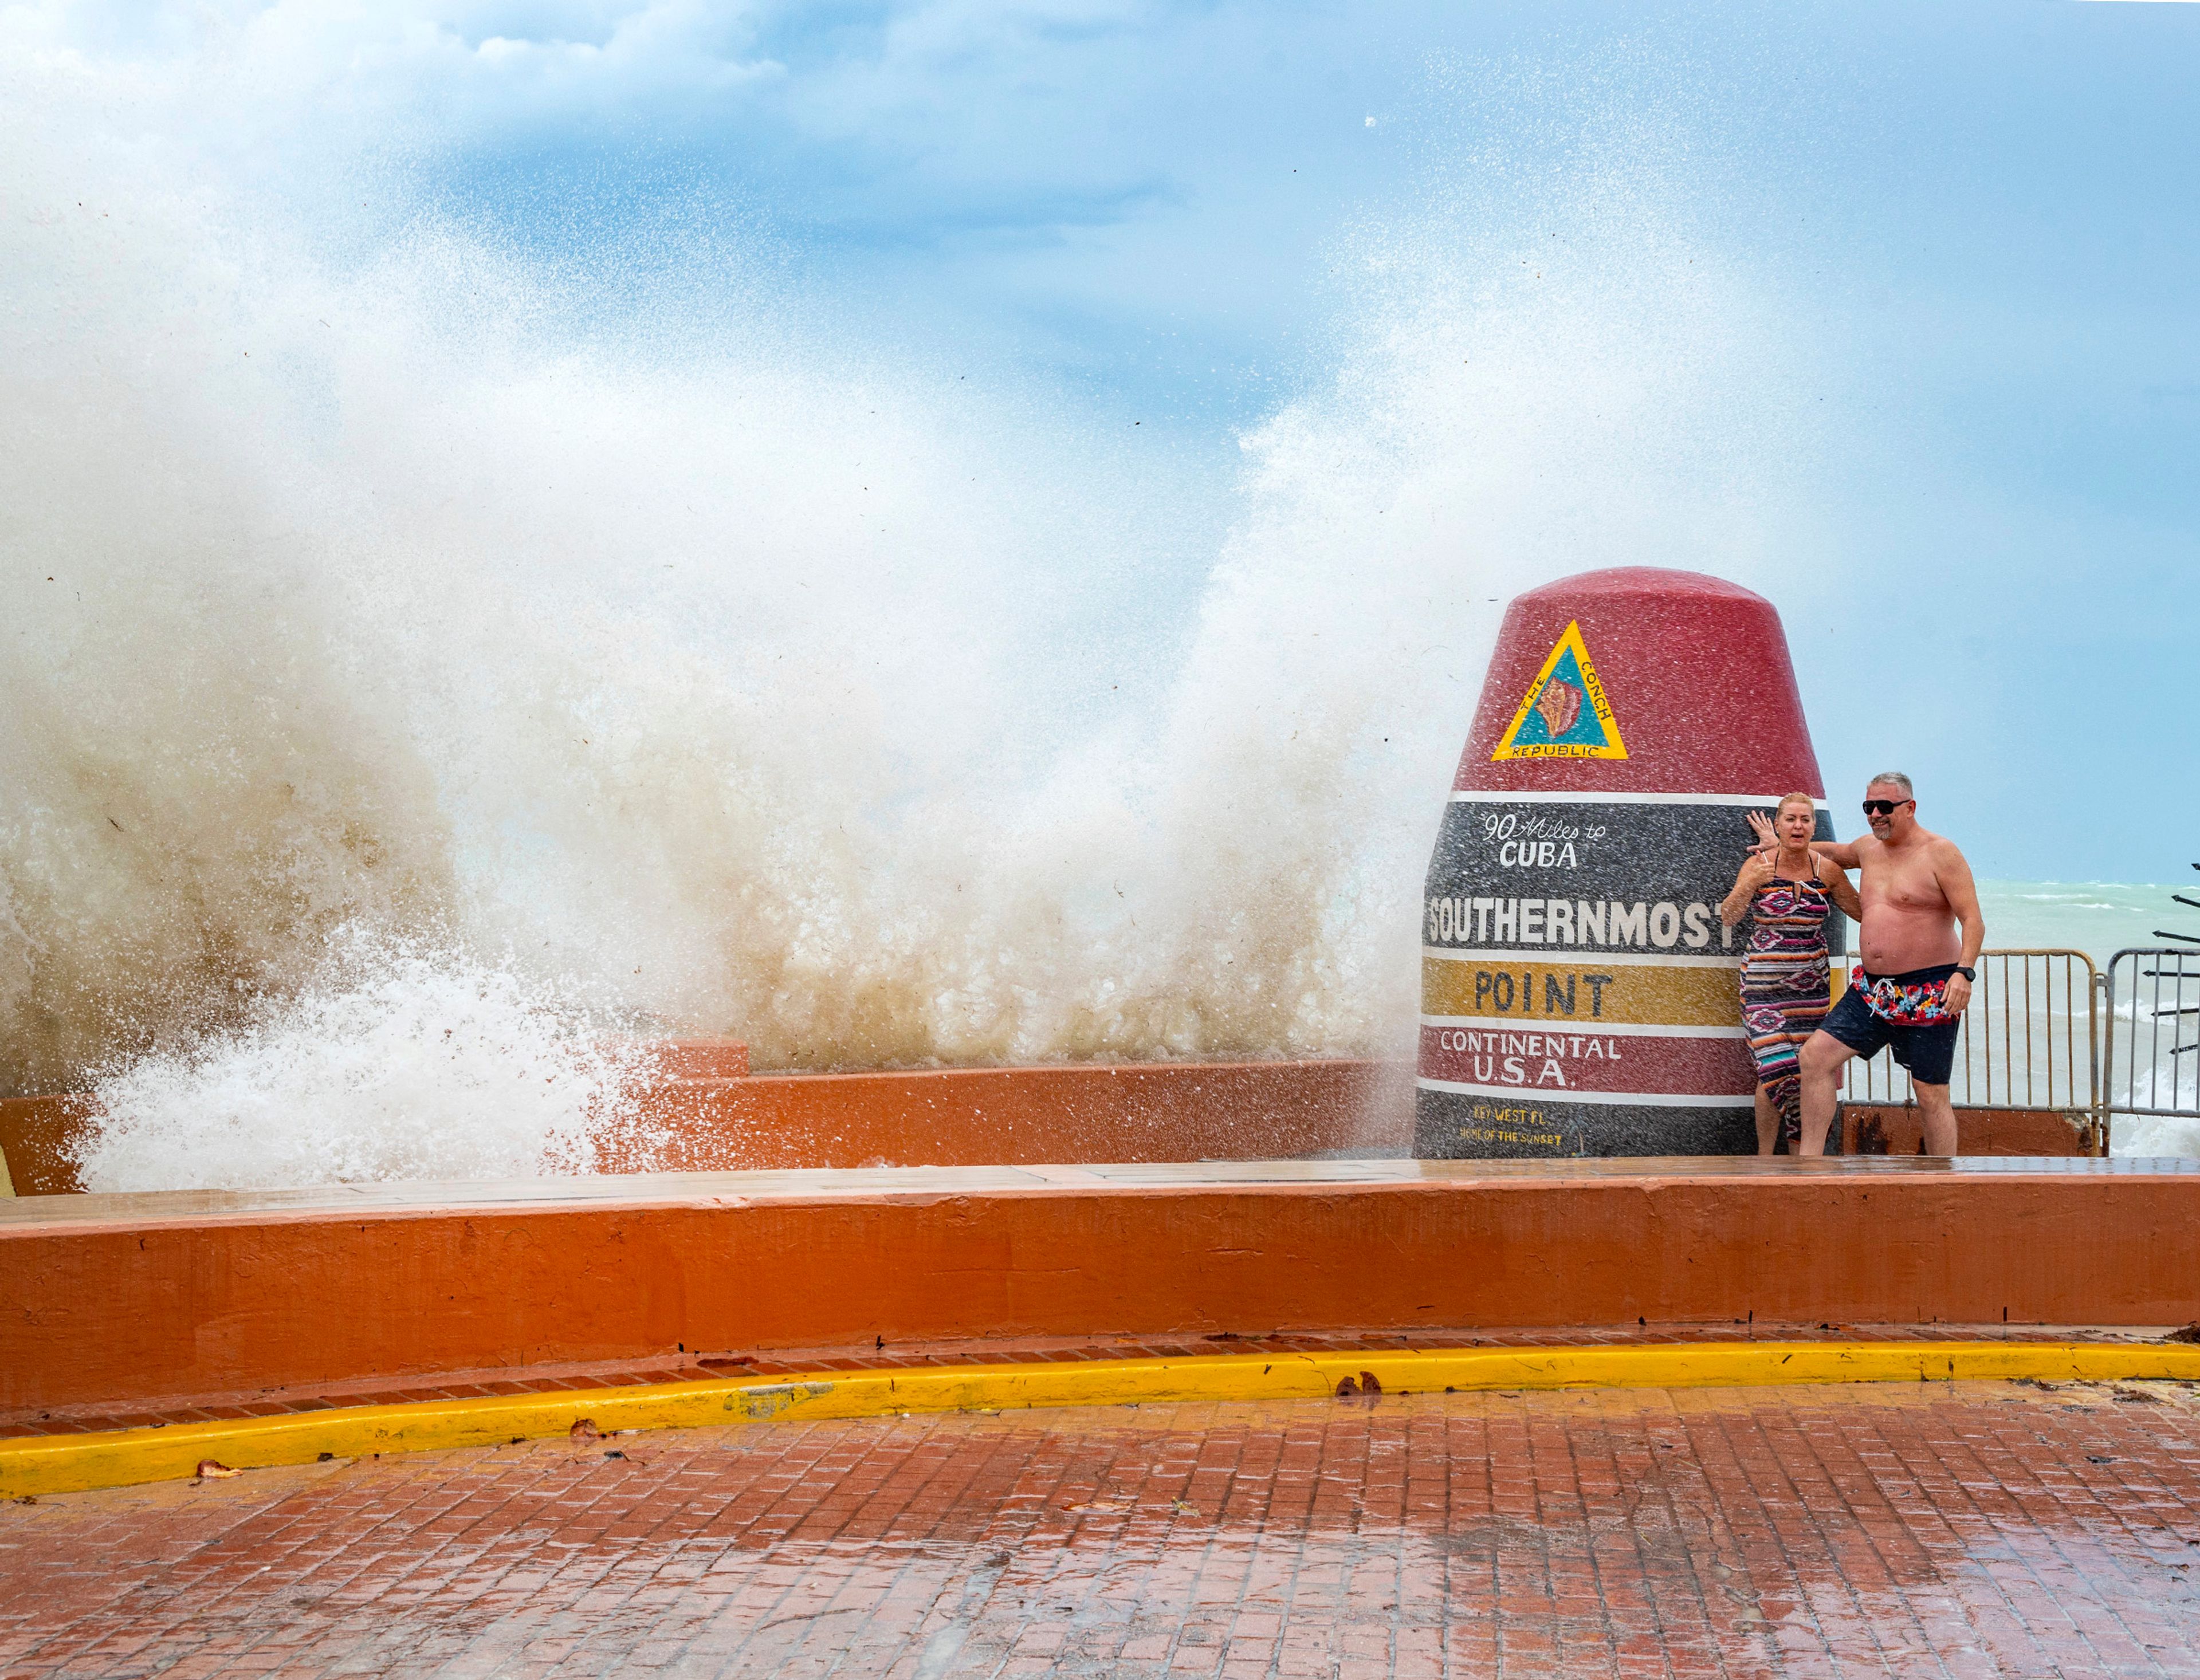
<point x="1894" y="778"/>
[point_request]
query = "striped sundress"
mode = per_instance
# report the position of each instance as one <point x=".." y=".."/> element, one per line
<point x="1785" y="980"/>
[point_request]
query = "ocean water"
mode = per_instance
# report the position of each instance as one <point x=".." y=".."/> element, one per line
<point x="2098" y="918"/>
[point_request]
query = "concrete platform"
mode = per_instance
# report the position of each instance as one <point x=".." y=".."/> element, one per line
<point x="131" y="1301"/>
<point x="1971" y="1530"/>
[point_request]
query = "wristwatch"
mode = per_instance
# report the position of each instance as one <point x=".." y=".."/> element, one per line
<point x="1967" y="974"/>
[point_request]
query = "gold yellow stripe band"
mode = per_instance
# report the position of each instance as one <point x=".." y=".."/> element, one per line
<point x="70" y="1463"/>
<point x="1579" y="996"/>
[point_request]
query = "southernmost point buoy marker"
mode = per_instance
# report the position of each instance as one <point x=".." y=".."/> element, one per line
<point x="1578" y="994"/>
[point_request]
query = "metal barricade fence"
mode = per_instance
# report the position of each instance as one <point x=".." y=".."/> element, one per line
<point x="2153" y="1060"/>
<point x="2030" y="1039"/>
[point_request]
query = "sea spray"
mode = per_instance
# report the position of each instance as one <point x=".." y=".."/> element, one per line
<point x="396" y="1061"/>
<point x="771" y="683"/>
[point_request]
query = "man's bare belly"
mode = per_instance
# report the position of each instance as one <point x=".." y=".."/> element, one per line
<point x="1902" y="933"/>
<point x="1908" y="920"/>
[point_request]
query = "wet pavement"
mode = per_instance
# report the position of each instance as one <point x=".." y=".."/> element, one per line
<point x="1973" y="1530"/>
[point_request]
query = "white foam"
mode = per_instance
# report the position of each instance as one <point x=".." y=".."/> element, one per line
<point x="396" y="1063"/>
<point x="2155" y="1135"/>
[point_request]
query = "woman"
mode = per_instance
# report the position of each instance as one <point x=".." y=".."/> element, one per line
<point x="1787" y="889"/>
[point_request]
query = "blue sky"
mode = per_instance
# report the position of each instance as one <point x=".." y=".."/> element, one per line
<point x="1968" y="234"/>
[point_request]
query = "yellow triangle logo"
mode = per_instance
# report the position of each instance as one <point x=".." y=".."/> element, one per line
<point x="1564" y="712"/>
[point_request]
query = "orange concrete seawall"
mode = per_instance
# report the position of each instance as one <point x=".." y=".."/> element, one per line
<point x="973" y="1116"/>
<point x="38" y="1135"/>
<point x="951" y="1117"/>
<point x="977" y="1116"/>
<point x="1893" y="1129"/>
<point x="106" y="1299"/>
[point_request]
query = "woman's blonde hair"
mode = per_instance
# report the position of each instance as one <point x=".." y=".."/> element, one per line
<point x="1786" y="800"/>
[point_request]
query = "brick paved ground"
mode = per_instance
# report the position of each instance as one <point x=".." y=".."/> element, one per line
<point x="1978" y="1530"/>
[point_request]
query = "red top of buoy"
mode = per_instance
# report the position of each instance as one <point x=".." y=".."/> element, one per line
<point x="1640" y="681"/>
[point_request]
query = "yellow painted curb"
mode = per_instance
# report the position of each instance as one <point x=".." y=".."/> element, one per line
<point x="120" y="1458"/>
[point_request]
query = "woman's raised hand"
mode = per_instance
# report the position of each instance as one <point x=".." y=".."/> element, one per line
<point x="1756" y="870"/>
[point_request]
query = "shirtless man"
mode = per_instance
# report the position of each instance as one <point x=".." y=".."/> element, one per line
<point x="1917" y="976"/>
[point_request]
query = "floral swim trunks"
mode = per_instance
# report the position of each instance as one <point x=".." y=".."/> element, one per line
<point x="1907" y="1010"/>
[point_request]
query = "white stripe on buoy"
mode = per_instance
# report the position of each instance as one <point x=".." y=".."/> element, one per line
<point x="1559" y="1024"/>
<point x="1577" y="955"/>
<point x="1588" y="797"/>
<point x="1604" y="1099"/>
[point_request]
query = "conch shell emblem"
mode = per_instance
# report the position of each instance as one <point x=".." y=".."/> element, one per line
<point x="1560" y="704"/>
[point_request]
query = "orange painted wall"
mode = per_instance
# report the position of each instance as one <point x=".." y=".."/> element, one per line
<point x="960" y="1116"/>
<point x="708" y="1119"/>
<point x="98" y="1313"/>
<point x="695" y="1057"/>
<point x="35" y="1135"/>
<point x="1897" y="1130"/>
<point x="972" y="1117"/>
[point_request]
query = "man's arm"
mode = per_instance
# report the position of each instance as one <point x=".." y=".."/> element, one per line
<point x="1838" y="887"/>
<point x="1953" y="874"/>
<point x="1843" y="852"/>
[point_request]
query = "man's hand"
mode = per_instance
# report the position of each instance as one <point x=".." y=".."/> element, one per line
<point x="1761" y="825"/>
<point x="1956" y="997"/>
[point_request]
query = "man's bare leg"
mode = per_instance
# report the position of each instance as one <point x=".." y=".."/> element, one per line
<point x="1939" y="1116"/>
<point x="1822" y="1058"/>
<point x="1768" y="1123"/>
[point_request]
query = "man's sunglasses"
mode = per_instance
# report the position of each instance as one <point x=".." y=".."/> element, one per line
<point x="1885" y="807"/>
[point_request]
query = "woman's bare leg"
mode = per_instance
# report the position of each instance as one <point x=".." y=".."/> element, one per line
<point x="1768" y="1124"/>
